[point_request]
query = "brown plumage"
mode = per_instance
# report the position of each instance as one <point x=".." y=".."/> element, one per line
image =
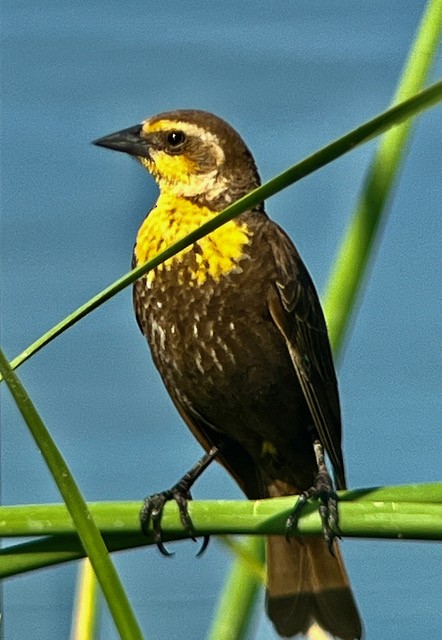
<point x="243" y="349"/>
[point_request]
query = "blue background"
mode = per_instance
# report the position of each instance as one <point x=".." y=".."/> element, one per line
<point x="290" y="76"/>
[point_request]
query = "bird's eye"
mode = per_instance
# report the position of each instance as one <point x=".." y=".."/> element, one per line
<point x="176" y="138"/>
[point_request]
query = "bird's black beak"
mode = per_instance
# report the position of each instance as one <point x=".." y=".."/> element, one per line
<point x="127" y="140"/>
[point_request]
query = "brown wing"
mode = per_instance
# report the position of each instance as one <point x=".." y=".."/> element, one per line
<point x="295" y="308"/>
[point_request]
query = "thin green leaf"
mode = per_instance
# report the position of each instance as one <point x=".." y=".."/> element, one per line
<point x="336" y="149"/>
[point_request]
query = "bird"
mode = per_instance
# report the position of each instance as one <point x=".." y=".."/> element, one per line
<point x="237" y="333"/>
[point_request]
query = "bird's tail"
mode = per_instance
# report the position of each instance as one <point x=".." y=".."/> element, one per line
<point x="307" y="585"/>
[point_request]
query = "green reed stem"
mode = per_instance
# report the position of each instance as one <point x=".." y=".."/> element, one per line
<point x="406" y="512"/>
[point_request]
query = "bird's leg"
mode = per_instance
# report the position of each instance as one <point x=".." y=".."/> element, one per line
<point x="323" y="490"/>
<point x="153" y="506"/>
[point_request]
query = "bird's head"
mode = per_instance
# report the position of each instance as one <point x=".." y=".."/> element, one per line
<point x="191" y="154"/>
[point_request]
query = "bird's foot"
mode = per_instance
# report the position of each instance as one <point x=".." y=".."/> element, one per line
<point x="152" y="509"/>
<point x="322" y="490"/>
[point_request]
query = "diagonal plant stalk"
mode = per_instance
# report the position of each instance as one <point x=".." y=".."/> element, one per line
<point x="324" y="156"/>
<point x="347" y="274"/>
<point x="85" y="526"/>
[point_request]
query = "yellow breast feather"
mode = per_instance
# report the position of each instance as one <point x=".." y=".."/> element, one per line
<point x="171" y="219"/>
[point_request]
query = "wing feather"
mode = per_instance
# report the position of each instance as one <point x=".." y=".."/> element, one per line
<point x="296" y="310"/>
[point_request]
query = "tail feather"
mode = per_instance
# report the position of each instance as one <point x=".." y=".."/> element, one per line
<point x="306" y="584"/>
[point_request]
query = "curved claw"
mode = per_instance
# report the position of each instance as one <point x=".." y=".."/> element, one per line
<point x="204" y="546"/>
<point x="162" y="548"/>
<point x="152" y="510"/>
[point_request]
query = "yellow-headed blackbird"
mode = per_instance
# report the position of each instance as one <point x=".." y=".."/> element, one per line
<point x="237" y="333"/>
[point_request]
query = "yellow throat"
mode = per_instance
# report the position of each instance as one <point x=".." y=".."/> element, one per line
<point x="170" y="220"/>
